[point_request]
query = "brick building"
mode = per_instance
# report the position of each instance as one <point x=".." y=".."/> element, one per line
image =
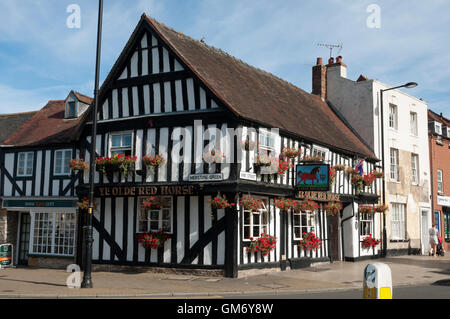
<point x="439" y="141"/>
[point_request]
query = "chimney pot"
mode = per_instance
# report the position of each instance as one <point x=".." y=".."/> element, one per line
<point x="319" y="61"/>
<point x="330" y="60"/>
<point x="339" y="59"/>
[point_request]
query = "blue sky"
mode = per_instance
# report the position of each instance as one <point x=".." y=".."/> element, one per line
<point x="42" y="59"/>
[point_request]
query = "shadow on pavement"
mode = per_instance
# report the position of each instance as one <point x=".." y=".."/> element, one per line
<point x="34" y="282"/>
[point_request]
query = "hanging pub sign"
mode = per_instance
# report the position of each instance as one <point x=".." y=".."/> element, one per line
<point x="120" y="191"/>
<point x="313" y="177"/>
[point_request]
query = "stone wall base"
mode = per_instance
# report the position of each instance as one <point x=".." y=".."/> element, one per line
<point x="49" y="262"/>
<point x="160" y="270"/>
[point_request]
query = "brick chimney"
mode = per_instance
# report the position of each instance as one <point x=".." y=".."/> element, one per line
<point x="319" y="79"/>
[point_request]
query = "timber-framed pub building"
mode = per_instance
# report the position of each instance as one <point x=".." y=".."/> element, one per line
<point x="196" y="125"/>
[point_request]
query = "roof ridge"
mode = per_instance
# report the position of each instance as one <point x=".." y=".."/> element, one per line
<point x="226" y="54"/>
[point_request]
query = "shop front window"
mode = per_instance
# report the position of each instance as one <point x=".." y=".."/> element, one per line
<point x="53" y="233"/>
<point x="153" y="220"/>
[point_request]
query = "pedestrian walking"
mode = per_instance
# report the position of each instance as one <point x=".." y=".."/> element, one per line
<point x="433" y="239"/>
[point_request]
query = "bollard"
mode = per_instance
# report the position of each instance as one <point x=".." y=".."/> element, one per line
<point x="377" y="282"/>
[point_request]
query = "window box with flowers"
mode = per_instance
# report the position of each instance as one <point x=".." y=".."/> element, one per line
<point x="117" y="163"/>
<point x="283" y="167"/>
<point x="263" y="244"/>
<point x="152" y="202"/>
<point x="369" y="242"/>
<point x="153" y="240"/>
<point x="333" y="208"/>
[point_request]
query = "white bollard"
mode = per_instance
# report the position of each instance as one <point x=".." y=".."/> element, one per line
<point x="377" y="282"/>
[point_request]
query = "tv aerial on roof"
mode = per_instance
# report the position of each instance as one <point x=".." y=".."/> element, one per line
<point x="331" y="47"/>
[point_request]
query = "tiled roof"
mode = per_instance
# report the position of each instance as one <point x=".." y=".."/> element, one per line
<point x="260" y="96"/>
<point x="10" y="123"/>
<point x="432" y="116"/>
<point x="83" y="98"/>
<point x="47" y="127"/>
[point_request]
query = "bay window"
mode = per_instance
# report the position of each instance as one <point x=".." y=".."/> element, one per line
<point x="155" y="219"/>
<point x="256" y="222"/>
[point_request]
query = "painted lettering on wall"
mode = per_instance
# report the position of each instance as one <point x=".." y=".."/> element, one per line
<point x="120" y="191"/>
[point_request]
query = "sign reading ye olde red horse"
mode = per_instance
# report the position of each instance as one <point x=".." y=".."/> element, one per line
<point x="144" y="190"/>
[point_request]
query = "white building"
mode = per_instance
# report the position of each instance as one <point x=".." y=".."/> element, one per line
<point x="407" y="167"/>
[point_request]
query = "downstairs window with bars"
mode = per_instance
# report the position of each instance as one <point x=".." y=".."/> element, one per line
<point x="53" y="234"/>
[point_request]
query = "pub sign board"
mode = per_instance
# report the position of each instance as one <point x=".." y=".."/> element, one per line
<point x="313" y="177"/>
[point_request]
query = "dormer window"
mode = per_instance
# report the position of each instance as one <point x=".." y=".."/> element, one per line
<point x="437" y="128"/>
<point x="71" y="110"/>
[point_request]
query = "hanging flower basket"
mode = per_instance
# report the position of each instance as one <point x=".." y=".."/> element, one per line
<point x="213" y="156"/>
<point x="310" y="242"/>
<point x="381" y="208"/>
<point x="306" y="205"/>
<point x="250" y="203"/>
<point x="284" y="204"/>
<point x="291" y="152"/>
<point x="377" y="174"/>
<point x="366" y="209"/>
<point x="84" y="204"/>
<point x="248" y="145"/>
<point x="333" y="208"/>
<point x="309" y="158"/>
<point x="264" y="244"/>
<point x="350" y="170"/>
<point x="78" y="165"/>
<point x="369" y="242"/>
<point x="368" y="179"/>
<point x="284" y="166"/>
<point x="153" y="162"/>
<point x="116" y="163"/>
<point x="339" y="167"/>
<point x="220" y="202"/>
<point x="153" y="240"/>
<point x="152" y="202"/>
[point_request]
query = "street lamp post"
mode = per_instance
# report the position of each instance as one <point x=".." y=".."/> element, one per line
<point x="408" y="85"/>
<point x="87" y="280"/>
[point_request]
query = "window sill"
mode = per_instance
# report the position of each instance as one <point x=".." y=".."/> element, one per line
<point x="439" y="143"/>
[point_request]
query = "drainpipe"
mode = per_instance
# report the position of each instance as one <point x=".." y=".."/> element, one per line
<point x="342" y="228"/>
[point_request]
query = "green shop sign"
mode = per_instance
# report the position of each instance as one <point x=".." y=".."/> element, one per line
<point x="6" y="255"/>
<point x="61" y="203"/>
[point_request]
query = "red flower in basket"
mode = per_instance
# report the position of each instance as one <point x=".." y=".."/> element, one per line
<point x="369" y="242"/>
<point x="310" y="242"/>
<point x="264" y="244"/>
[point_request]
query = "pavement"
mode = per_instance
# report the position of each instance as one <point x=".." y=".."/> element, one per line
<point x="51" y="283"/>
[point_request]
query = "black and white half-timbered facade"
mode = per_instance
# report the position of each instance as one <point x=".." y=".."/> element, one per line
<point x="38" y="186"/>
<point x="220" y="125"/>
